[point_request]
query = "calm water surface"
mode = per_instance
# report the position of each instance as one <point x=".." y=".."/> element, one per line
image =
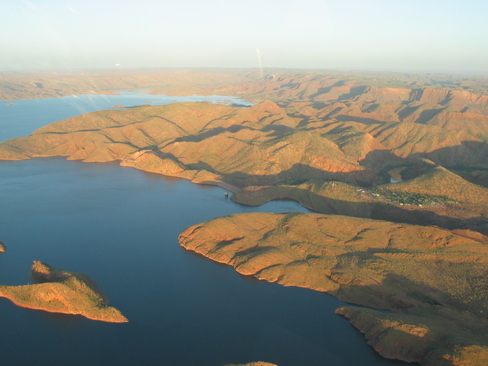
<point x="22" y="117"/>
<point x="120" y="227"/>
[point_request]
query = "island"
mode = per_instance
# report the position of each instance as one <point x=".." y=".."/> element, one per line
<point x="430" y="283"/>
<point x="395" y="165"/>
<point x="59" y="291"/>
<point x="3" y="248"/>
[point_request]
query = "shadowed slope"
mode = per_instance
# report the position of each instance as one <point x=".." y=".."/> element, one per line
<point x="438" y="181"/>
<point x="246" y="145"/>
<point x="435" y="197"/>
<point x="425" y="275"/>
<point x="261" y="145"/>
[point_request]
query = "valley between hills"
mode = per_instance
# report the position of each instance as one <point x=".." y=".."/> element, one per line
<point x="417" y="247"/>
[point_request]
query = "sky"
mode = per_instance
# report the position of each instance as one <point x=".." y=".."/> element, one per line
<point x="389" y="35"/>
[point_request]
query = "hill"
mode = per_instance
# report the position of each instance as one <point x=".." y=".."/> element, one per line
<point x="51" y="84"/>
<point x="273" y="151"/>
<point x="331" y="141"/>
<point x="432" y="281"/>
<point x="435" y="197"/>
<point x="263" y="145"/>
<point x="64" y="292"/>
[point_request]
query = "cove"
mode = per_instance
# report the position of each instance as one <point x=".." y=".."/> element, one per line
<point x="120" y="227"/>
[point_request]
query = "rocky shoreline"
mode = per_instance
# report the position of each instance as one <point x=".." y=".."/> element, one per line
<point x="424" y="276"/>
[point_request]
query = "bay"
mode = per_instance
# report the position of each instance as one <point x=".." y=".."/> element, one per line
<point x="120" y="227"/>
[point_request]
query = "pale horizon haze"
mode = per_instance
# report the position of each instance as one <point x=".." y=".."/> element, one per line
<point x="389" y="35"/>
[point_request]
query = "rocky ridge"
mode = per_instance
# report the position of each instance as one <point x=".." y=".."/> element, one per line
<point x="264" y="150"/>
<point x="433" y="281"/>
<point x="263" y="145"/>
<point x="329" y="141"/>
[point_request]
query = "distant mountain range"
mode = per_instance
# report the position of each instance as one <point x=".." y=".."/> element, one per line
<point x="333" y="142"/>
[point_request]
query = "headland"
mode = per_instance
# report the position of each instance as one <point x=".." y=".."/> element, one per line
<point x="416" y="248"/>
<point x="430" y="281"/>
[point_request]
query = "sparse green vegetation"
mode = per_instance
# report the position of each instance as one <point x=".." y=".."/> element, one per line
<point x="406" y="198"/>
<point x="329" y="144"/>
<point x="432" y="280"/>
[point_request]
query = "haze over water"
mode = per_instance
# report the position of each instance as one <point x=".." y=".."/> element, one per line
<point x="120" y="226"/>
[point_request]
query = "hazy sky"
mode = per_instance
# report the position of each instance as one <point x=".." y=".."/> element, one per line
<point x="424" y="35"/>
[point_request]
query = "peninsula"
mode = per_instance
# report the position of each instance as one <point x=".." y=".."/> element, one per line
<point x="330" y="159"/>
<point x="59" y="291"/>
<point x="432" y="281"/>
<point x="400" y="160"/>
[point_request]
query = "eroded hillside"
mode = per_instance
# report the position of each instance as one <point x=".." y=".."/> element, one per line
<point x="432" y="281"/>
<point x="383" y="150"/>
<point x="272" y="146"/>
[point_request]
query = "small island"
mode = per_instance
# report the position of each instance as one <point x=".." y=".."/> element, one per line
<point x="396" y="162"/>
<point x="59" y="291"/>
<point x="3" y="248"/>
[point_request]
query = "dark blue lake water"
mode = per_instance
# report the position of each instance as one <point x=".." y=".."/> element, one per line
<point x="120" y="227"/>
